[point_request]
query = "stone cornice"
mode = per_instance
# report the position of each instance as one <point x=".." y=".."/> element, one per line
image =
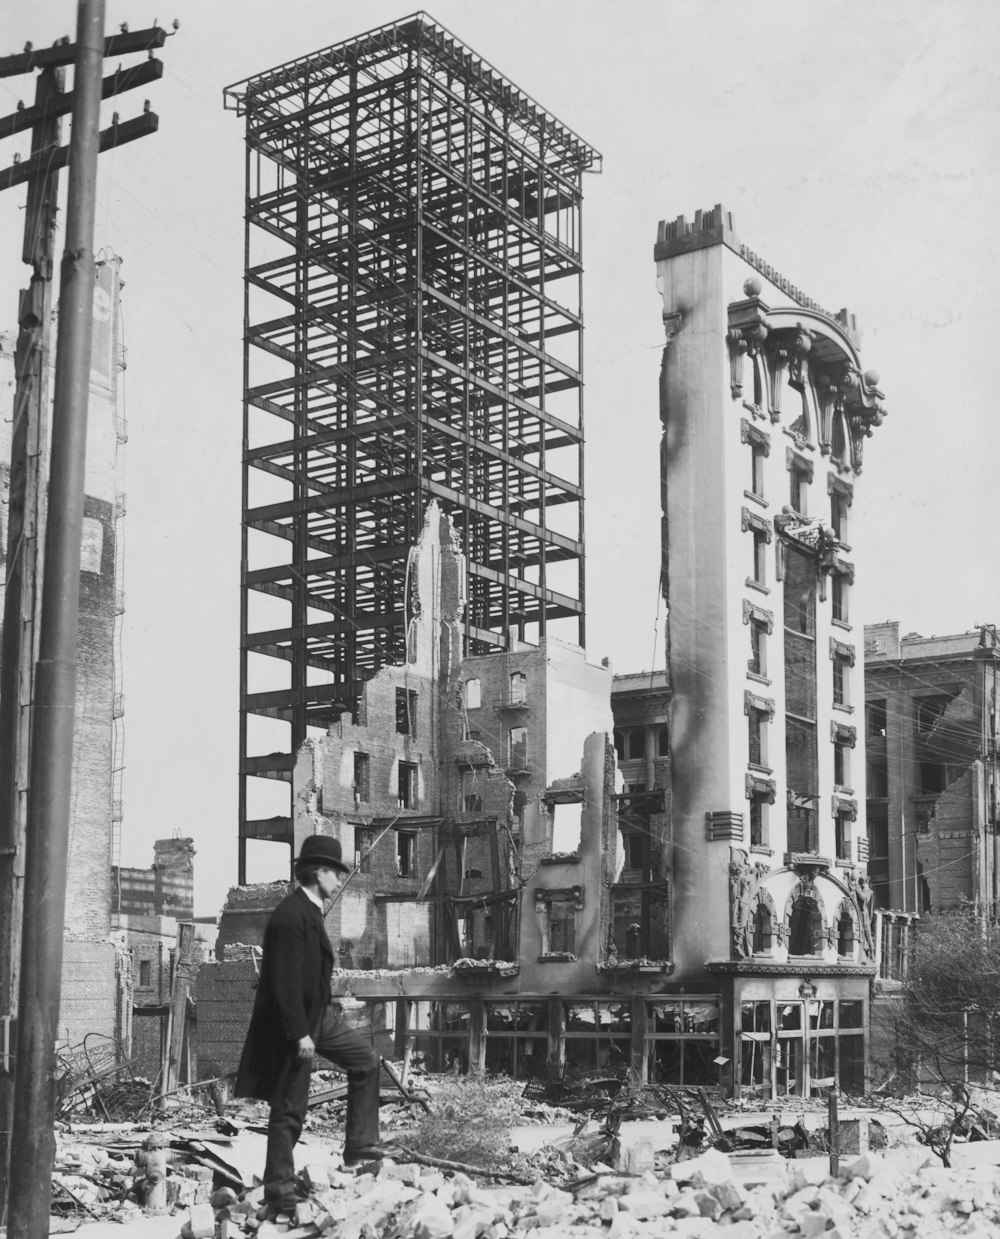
<point x="760" y="968"/>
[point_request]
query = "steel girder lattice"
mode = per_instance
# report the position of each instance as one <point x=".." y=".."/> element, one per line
<point x="413" y="331"/>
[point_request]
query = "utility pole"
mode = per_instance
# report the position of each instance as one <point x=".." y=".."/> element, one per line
<point x="27" y="1112"/>
<point x="24" y="532"/>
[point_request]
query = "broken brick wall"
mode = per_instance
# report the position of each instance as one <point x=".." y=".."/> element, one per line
<point x="946" y="854"/>
<point x="89" y="995"/>
<point x="88" y="892"/>
<point x="225" y="991"/>
<point x="245" y="914"/>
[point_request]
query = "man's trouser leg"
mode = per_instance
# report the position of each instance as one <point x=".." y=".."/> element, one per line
<point x="284" y="1126"/>
<point x="349" y="1051"/>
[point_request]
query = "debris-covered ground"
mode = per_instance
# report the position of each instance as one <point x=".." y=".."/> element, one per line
<point x="484" y="1163"/>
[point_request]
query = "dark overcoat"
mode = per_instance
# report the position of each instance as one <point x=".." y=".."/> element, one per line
<point x="292" y="993"/>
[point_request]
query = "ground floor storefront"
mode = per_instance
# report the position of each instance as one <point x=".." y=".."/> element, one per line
<point x="759" y="1035"/>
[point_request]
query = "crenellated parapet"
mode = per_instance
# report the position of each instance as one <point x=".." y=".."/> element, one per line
<point x="804" y="373"/>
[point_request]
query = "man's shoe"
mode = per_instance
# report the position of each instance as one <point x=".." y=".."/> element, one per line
<point x="281" y="1206"/>
<point x="364" y="1155"/>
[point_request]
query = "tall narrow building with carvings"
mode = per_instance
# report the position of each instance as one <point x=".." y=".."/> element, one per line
<point x="766" y="406"/>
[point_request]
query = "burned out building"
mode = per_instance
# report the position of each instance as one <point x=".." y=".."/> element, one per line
<point x="766" y="406"/>
<point x="931" y="738"/>
<point x="662" y="875"/>
<point x="413" y="325"/>
<point x="94" y="995"/>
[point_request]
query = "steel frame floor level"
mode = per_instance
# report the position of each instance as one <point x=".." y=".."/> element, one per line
<point x="413" y="331"/>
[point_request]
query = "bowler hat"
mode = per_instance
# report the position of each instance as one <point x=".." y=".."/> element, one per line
<point x="322" y="850"/>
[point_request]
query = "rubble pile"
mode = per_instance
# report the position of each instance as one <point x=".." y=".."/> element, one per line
<point x="699" y="1197"/>
<point x="619" y="1180"/>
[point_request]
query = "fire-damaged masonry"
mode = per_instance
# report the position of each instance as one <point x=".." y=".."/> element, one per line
<point x="688" y="902"/>
<point x="477" y="797"/>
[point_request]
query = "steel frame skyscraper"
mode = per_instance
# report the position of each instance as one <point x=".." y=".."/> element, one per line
<point x="413" y="331"/>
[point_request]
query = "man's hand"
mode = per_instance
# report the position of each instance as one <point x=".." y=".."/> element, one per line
<point x="307" y="1048"/>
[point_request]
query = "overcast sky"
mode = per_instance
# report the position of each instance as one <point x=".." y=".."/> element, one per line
<point x="856" y="145"/>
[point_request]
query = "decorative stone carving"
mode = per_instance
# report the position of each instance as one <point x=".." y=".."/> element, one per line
<point x="864" y="898"/>
<point x="752" y="611"/>
<point x="743" y="881"/>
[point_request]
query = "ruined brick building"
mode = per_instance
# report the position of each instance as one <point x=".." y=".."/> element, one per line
<point x="95" y="983"/>
<point x="931" y="723"/>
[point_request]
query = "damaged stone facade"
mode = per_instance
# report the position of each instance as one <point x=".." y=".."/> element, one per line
<point x="931" y="724"/>
<point x="765" y="406"/>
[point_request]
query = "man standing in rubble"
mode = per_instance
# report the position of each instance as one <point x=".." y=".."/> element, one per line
<point x="293" y="1021"/>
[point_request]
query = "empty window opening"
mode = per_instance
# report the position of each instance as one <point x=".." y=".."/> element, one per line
<point x="757" y="733"/>
<point x="759" y="557"/>
<point x="145" y="972"/>
<point x="840" y="505"/>
<point x="929" y="710"/>
<point x="803" y="825"/>
<point x="636" y="847"/>
<point x="845" y="934"/>
<point x="843" y="835"/>
<point x="558" y="922"/>
<point x="566" y="827"/>
<point x="798" y="489"/>
<point x="758" y="819"/>
<point x="517" y="748"/>
<point x="473" y="694"/>
<point x="406" y="794"/>
<point x="841" y="763"/>
<point x="838" y="597"/>
<point x="682" y="1042"/>
<point x="362" y="778"/>
<point x="406" y="853"/>
<point x="841" y="681"/>
<point x="663" y="740"/>
<point x="364" y="839"/>
<point x="762" y="929"/>
<point x="805" y="931"/>
<point x="933" y="778"/>
<point x="757" y="662"/>
<point x="518" y="688"/>
<point x="877" y="720"/>
<point x="406" y="712"/>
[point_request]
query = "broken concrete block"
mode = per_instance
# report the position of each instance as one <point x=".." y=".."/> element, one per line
<point x="711" y="1167"/>
<point x="200" y="1223"/>
<point x="431" y="1219"/>
<point x="684" y="1204"/>
<point x="405" y="1172"/>
<point x="866" y="1166"/>
<point x="644" y="1204"/>
<point x="222" y="1197"/>
<point x="553" y="1206"/>
<point x="471" y="1220"/>
<point x="607" y="1208"/>
<point x="728" y="1195"/>
<point x="808" y="1173"/>
<point x="813" y="1224"/>
<point x="316" y="1175"/>
<point x="624" y="1226"/>
<point x="868" y="1200"/>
